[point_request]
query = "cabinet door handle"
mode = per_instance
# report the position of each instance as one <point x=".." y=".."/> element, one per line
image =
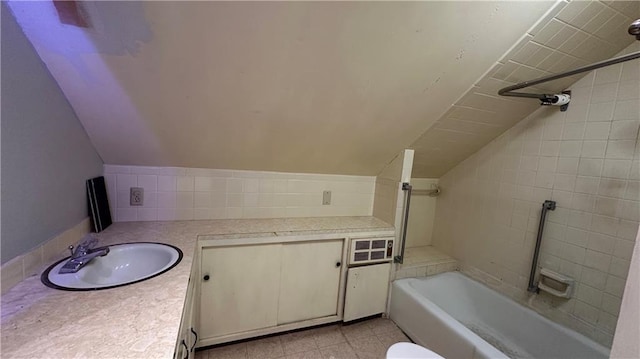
<point x="195" y="340"/>
<point x="206" y="277"/>
<point x="186" y="348"/>
<point x="338" y="264"/>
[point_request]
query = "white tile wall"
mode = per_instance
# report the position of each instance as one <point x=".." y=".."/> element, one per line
<point x="588" y="161"/>
<point x="422" y="213"/>
<point x="172" y="193"/>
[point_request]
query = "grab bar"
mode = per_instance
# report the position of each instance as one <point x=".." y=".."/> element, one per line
<point x="433" y="192"/>
<point x="405" y="220"/>
<point x="546" y="206"/>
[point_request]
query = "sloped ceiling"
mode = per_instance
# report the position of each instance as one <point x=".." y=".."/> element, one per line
<point x="570" y="36"/>
<point x="322" y="87"/>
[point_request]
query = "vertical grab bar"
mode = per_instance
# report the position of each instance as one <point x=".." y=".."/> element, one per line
<point x="405" y="220"/>
<point x="546" y="206"/>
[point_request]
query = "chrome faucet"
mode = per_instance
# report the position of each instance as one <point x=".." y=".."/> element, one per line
<point x="83" y="254"/>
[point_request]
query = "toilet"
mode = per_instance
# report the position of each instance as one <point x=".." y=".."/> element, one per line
<point x="410" y="351"/>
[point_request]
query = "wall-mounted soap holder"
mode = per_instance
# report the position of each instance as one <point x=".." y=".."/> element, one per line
<point x="555" y="284"/>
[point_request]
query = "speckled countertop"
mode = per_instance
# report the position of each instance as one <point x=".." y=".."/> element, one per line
<point x="139" y="320"/>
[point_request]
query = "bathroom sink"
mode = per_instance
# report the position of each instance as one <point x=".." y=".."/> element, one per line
<point x="125" y="263"/>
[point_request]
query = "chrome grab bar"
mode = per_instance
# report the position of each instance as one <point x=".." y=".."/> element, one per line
<point x="546" y="206"/>
<point x="406" y="187"/>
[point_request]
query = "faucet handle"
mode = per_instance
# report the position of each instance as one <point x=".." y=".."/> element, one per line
<point x="87" y="242"/>
<point x="71" y="249"/>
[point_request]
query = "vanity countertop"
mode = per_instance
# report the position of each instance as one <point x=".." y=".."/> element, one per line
<point x="140" y="320"/>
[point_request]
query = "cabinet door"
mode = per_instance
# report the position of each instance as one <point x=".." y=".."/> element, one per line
<point x="241" y="293"/>
<point x="367" y="289"/>
<point x="310" y="280"/>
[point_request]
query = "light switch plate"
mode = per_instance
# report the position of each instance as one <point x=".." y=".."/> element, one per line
<point x="326" y="198"/>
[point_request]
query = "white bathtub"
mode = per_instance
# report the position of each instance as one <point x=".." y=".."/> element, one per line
<point x="458" y="318"/>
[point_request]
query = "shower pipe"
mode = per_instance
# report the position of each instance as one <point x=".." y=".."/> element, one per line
<point x="546" y="206"/>
<point x="406" y="187"/>
<point x="563" y="99"/>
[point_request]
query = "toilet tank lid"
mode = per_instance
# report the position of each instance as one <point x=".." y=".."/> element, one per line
<point x="410" y="350"/>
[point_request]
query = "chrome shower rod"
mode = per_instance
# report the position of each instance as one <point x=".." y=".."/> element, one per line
<point x="507" y="91"/>
<point x="563" y="99"/>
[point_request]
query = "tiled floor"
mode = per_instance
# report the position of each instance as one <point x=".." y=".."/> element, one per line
<point x="366" y="339"/>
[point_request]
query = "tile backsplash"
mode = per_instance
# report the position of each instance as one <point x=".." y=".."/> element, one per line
<point x="174" y="193"/>
<point x="32" y="263"/>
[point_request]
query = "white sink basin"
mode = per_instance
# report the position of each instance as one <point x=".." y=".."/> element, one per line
<point x="125" y="264"/>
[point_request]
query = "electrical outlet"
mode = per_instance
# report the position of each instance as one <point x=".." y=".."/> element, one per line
<point x="326" y="198"/>
<point x="136" y="196"/>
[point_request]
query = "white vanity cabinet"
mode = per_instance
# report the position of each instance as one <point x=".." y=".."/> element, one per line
<point x="256" y="289"/>
<point x="239" y="289"/>
<point x="309" y="280"/>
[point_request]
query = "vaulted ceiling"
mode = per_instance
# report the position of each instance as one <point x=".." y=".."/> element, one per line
<point x="322" y="87"/>
<point x="569" y="36"/>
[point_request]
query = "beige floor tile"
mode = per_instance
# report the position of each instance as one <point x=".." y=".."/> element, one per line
<point x="392" y="337"/>
<point x="326" y="336"/>
<point x="297" y="344"/>
<point x="381" y="325"/>
<point x="357" y="330"/>
<point x="312" y="354"/>
<point x="233" y="351"/>
<point x="363" y="340"/>
<point x="267" y="348"/>
<point x="368" y="347"/>
<point x="372" y="355"/>
<point x="392" y="331"/>
<point x="338" y="351"/>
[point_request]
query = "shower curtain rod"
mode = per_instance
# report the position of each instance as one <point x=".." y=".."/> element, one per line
<point x="507" y="91"/>
<point x="564" y="98"/>
<point x="426" y="192"/>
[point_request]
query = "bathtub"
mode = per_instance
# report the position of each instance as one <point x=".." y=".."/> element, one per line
<point x="458" y="318"/>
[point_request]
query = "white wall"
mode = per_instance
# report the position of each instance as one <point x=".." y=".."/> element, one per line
<point x="625" y="343"/>
<point x="386" y="205"/>
<point x="587" y="160"/>
<point x="172" y="193"/>
<point x="46" y="154"/>
<point x="422" y="214"/>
